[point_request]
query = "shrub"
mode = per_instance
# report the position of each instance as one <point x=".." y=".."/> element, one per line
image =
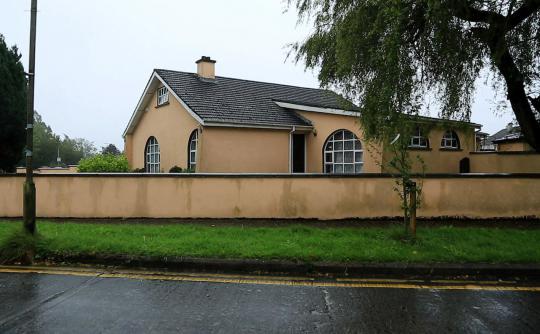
<point x="138" y="170"/>
<point x="104" y="163"/>
<point x="175" y="169"/>
<point x="18" y="247"/>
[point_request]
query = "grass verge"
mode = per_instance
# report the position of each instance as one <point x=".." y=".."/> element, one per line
<point x="301" y="243"/>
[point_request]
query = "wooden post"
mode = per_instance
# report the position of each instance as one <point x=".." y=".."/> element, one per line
<point x="405" y="205"/>
<point x="412" y="193"/>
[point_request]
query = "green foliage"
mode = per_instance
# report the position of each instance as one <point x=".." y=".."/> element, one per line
<point x="302" y="243"/>
<point x="175" y="169"/>
<point x="47" y="146"/>
<point x="18" y="246"/>
<point x="110" y="149"/>
<point x="392" y="57"/>
<point x="72" y="150"/>
<point x="104" y="163"/>
<point x="12" y="107"/>
<point x="400" y="164"/>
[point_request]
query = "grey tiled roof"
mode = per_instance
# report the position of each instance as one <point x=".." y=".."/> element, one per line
<point x="237" y="101"/>
<point x="506" y="134"/>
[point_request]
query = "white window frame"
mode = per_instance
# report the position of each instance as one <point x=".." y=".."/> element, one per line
<point x="193" y="138"/>
<point x="162" y="96"/>
<point x="152" y="156"/>
<point x="450" y="140"/>
<point x="418" y="140"/>
<point x="331" y="152"/>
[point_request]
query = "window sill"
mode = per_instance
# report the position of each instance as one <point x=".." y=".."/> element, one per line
<point x="418" y="148"/>
<point x="447" y="149"/>
<point x="162" y="105"/>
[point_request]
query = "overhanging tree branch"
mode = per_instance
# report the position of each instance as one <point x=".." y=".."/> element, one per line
<point x="522" y="13"/>
<point x="462" y="10"/>
<point x="535" y="101"/>
<point x="503" y="60"/>
<point x="383" y="45"/>
<point x="465" y="12"/>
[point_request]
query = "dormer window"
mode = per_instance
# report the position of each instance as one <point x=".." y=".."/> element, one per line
<point x="162" y="96"/>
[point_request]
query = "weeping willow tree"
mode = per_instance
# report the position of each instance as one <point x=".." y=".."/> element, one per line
<point x="388" y="56"/>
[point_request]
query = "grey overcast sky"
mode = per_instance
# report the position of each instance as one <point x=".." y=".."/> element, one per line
<point x="94" y="58"/>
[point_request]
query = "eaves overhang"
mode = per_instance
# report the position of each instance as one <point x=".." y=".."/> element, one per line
<point x="148" y="92"/>
<point x="319" y="109"/>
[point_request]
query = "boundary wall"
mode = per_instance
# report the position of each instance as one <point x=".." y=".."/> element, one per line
<point x="269" y="196"/>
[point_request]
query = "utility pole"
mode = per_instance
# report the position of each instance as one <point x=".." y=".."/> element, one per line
<point x="29" y="190"/>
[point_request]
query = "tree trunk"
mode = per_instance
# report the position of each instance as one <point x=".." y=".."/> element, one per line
<point x="530" y="127"/>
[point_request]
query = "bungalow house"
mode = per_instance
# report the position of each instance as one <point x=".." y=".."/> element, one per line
<point x="215" y="124"/>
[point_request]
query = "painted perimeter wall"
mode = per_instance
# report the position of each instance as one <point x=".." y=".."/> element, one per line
<point x="497" y="162"/>
<point x="267" y="196"/>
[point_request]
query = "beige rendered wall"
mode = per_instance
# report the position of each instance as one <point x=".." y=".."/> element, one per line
<point x="237" y="196"/>
<point x="325" y="125"/>
<point x="493" y="162"/>
<point x="128" y="149"/>
<point x="514" y="147"/>
<point x="437" y="159"/>
<point x="244" y="150"/>
<point x="171" y="124"/>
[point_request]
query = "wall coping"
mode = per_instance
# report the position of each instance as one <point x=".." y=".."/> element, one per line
<point x="506" y="152"/>
<point x="288" y="175"/>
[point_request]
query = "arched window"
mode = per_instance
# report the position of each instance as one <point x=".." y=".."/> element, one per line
<point x="450" y="140"/>
<point x="343" y="153"/>
<point x="418" y="139"/>
<point x="192" y="150"/>
<point x="151" y="156"/>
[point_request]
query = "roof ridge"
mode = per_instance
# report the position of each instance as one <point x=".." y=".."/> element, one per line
<point x="250" y="80"/>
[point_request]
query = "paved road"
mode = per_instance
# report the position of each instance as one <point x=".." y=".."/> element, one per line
<point x="94" y="303"/>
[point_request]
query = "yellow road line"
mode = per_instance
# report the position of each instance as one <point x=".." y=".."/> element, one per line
<point x="48" y="271"/>
<point x="393" y="280"/>
<point x="269" y="280"/>
<point x="82" y="271"/>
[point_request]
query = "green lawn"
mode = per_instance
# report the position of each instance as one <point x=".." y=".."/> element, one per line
<point x="435" y="244"/>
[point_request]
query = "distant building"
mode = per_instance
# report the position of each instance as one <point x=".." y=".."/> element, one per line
<point x="50" y="170"/>
<point x="509" y="139"/>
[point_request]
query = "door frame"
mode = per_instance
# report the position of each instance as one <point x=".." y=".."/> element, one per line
<point x="291" y="150"/>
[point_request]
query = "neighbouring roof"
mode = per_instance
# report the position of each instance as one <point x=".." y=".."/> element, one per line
<point x="246" y="102"/>
<point x="509" y="133"/>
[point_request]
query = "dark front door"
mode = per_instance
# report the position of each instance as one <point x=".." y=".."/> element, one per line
<point x="298" y="153"/>
<point x="465" y="165"/>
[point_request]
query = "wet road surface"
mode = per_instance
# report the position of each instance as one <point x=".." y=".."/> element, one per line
<point x="95" y="303"/>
